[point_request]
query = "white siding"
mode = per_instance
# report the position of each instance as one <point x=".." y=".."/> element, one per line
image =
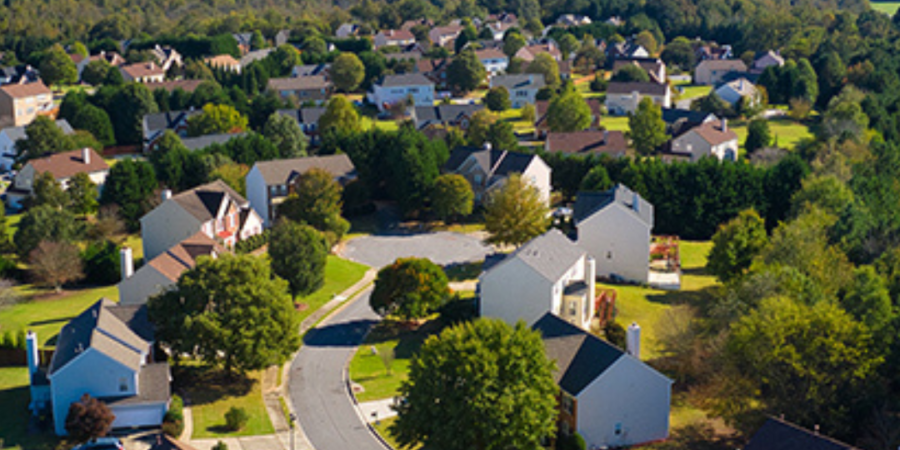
<point x="130" y="416"/>
<point x="166" y="226"/>
<point x="7" y="152"/>
<point x="422" y="95"/>
<point x="90" y="373"/>
<point x="619" y="242"/>
<point x="258" y="194"/>
<point x="252" y="226"/>
<point x="146" y="282"/>
<point x="538" y="174"/>
<point x="628" y="396"/>
<point x="513" y="291"/>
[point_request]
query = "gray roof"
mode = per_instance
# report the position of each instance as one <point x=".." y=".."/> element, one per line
<point x="203" y="202"/>
<point x="200" y="142"/>
<point x="493" y="162"/>
<point x="588" y="203"/>
<point x="299" y="83"/>
<point x="283" y="170"/>
<point x="101" y="329"/>
<point x="644" y="88"/>
<point x="311" y="70"/>
<point x="135" y="316"/>
<point x="166" y="120"/>
<point x="426" y="115"/>
<point x="524" y="81"/>
<point x="255" y="55"/>
<point x="672" y="115"/>
<point x="777" y="434"/>
<point x="17" y="133"/>
<point x="153" y="386"/>
<point x="406" y="79"/>
<point x="551" y="254"/>
<point x="580" y="356"/>
<point x="304" y="115"/>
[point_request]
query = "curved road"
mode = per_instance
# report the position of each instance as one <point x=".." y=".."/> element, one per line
<point x="318" y="389"/>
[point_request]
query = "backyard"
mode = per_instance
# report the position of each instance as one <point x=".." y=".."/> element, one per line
<point x="212" y="394"/>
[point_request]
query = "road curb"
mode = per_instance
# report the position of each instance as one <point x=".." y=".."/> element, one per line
<point x="346" y="379"/>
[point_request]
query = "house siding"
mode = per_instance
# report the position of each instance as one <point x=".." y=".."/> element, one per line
<point x="512" y="291"/>
<point x="619" y="242"/>
<point x="144" y="283"/>
<point x="630" y="397"/>
<point x="166" y="226"/>
<point x="423" y="95"/>
<point x="258" y="195"/>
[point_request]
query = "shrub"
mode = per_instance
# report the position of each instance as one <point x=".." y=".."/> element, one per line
<point x="252" y="243"/>
<point x="173" y="428"/>
<point x="21" y="340"/>
<point x="236" y="418"/>
<point x="8" y="340"/>
<point x="573" y="441"/>
<point x="176" y="410"/>
<point x="220" y="446"/>
<point x="615" y="334"/>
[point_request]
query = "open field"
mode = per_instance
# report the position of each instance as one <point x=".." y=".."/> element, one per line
<point x="786" y="132"/>
<point x="340" y="274"/>
<point x="889" y="8"/>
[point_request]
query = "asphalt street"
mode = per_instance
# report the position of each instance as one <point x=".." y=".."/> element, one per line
<point x="317" y="385"/>
<point x="441" y="248"/>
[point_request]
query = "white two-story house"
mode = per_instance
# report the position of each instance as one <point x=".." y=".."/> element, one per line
<point x="494" y="61"/>
<point x="623" y="97"/>
<point x="522" y="88"/>
<point x="393" y="89"/>
<point x="548" y="274"/>
<point x="487" y="169"/>
<point x="214" y="209"/>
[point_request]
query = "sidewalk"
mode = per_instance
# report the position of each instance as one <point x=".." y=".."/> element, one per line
<point x="377" y="410"/>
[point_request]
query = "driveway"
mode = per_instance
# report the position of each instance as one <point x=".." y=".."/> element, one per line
<point x="442" y="248"/>
<point x="318" y="386"/>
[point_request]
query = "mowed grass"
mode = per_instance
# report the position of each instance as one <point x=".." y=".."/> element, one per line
<point x="382" y="428"/>
<point x="367" y="123"/>
<point x="690" y="92"/>
<point x="211" y="398"/>
<point x="785" y="131"/>
<point x="340" y="274"/>
<point x="889" y="8"/>
<point x="648" y="307"/>
<point x="46" y="315"/>
<point x="14" y="398"/>
<point x="615" y="123"/>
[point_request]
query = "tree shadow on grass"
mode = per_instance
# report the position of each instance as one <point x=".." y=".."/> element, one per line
<point x="38" y="323"/>
<point x="348" y="334"/>
<point x="409" y="338"/>
<point x="684" y="297"/>
<point x="463" y="271"/>
<point x="15" y="428"/>
<point x="208" y="385"/>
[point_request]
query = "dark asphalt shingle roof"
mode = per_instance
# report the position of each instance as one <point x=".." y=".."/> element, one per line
<point x="307" y="115"/>
<point x="203" y="202"/>
<point x="444" y="113"/>
<point x="588" y="203"/>
<point x="580" y="356"/>
<point x="777" y="434"/>
<point x="492" y="161"/>
<point x="153" y="387"/>
<point x="166" y="120"/>
<point x="405" y="79"/>
<point x="644" y="88"/>
<point x="672" y="115"/>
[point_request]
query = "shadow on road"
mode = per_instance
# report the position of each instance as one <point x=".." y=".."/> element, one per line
<point x="347" y="334"/>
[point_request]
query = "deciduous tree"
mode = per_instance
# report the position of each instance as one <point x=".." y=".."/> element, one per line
<point x="515" y="213"/>
<point x="497" y="99"/>
<point x="82" y="194"/>
<point x="55" y="264"/>
<point x="44" y="223"/>
<point x="57" y="67"/>
<point x="96" y="121"/>
<point x="452" y="196"/>
<point x="410" y="288"/>
<point x="494" y="384"/>
<point x="47" y="191"/>
<point x="568" y="112"/>
<point x="298" y="253"/>
<point x="95" y="72"/>
<point x="130" y="185"/>
<point x="315" y="199"/>
<point x="465" y="72"/>
<point x="88" y="419"/>
<point x="286" y="135"/>
<point x="128" y="107"/>
<point x="347" y="72"/>
<point x="217" y="119"/>
<point x="736" y="244"/>
<point x="339" y="114"/>
<point x="648" y="130"/>
<point x="544" y="64"/>
<point x="758" y="135"/>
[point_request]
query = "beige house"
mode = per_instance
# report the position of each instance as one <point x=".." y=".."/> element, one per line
<point x="164" y="270"/>
<point x="21" y="103"/>
<point x="214" y="209"/>
<point x="393" y="38"/>
<point x="547" y="274"/>
<point x="623" y="98"/>
<point x="63" y="166"/>
<point x="224" y="62"/>
<point x="708" y="139"/>
<point x="143" y="72"/>
<point x="713" y="71"/>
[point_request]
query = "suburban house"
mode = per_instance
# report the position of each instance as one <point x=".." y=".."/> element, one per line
<point x="444" y="36"/>
<point x="614" y="228"/>
<point x="396" y="38"/>
<point x="493" y="60"/>
<point x="269" y="182"/>
<point x="623" y="97"/>
<point x="609" y="396"/>
<point x="114" y="59"/>
<point x="654" y="67"/>
<point x="708" y="139"/>
<point x="188" y="86"/>
<point x="434" y="69"/>
<point x="778" y="434"/>
<point x="243" y="41"/>
<point x="410" y="24"/>
<point x="311" y="70"/>
<point x="224" y="62"/>
<point x="680" y="120"/>
<point x="314" y="89"/>
<point x="549" y="274"/>
<point x="308" y="119"/>
<point x="214" y="209"/>
<point x="522" y="88"/>
<point x="736" y="90"/>
<point x="164" y="270"/>
<point x="626" y="50"/>
<point x="449" y="115"/>
<point x="81" y="61"/>
<point x="255" y="55"/>
<point x="21" y="103"/>
<point x="767" y="59"/>
<point x="598" y="142"/>
<point x="62" y="166"/>
<point x="154" y="125"/>
<point x="392" y="89"/>
<point x="107" y="353"/>
<point x="281" y="38"/>
<point x="541" y="127"/>
<point x="713" y="71"/>
<point x="166" y="57"/>
<point x="486" y="169"/>
<point x="9" y="136"/>
<point x="347" y="30"/>
<point x="143" y="72"/>
<point x="20" y="74"/>
<point x="712" y="50"/>
<point x="529" y="52"/>
<point x="572" y="20"/>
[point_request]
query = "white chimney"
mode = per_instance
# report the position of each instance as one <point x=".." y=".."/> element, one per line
<point x="86" y="155"/>
<point x="633" y="340"/>
<point x="724" y="125"/>
<point x="126" y="263"/>
<point x="31" y="347"/>
<point x="166" y="194"/>
<point x="487" y="145"/>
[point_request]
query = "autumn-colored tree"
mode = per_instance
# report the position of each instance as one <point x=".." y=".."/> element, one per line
<point x="88" y="419"/>
<point x="55" y="264"/>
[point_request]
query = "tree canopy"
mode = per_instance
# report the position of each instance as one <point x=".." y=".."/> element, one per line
<point x="298" y="254"/>
<point x="410" y="288"/>
<point x="515" y="213"/>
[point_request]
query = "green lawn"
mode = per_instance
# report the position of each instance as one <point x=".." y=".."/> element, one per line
<point x="12" y="224"/>
<point x="340" y="274"/>
<point x="382" y="429"/>
<point x="47" y="315"/>
<point x="14" y="398"/>
<point x="691" y="92"/>
<point x="212" y="397"/>
<point x="615" y="123"/>
<point x="786" y="131"/>
<point x="889" y="8"/>
<point x="648" y="306"/>
<point x="385" y="125"/>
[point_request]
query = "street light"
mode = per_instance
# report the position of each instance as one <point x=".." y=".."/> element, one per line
<point x="292" y="418"/>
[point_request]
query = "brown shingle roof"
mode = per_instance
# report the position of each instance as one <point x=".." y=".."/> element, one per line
<point x="26" y="90"/>
<point x="490" y="53"/>
<point x="183" y="256"/>
<point x="185" y="85"/>
<point x="589" y="141"/>
<point x="222" y="61"/>
<point x="724" y="64"/>
<point x="142" y="69"/>
<point x="617" y="87"/>
<point x="66" y="164"/>
<point x="713" y="133"/>
<point x="299" y="83"/>
<point x="397" y="35"/>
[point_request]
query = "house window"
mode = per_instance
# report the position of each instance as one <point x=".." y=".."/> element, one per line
<point x="123" y="384"/>
<point x="609" y="254"/>
<point x="568" y="404"/>
<point x="618" y="429"/>
<point x="477" y="178"/>
<point x="573" y="308"/>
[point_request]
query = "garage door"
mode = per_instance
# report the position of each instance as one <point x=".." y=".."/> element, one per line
<point x="137" y="416"/>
